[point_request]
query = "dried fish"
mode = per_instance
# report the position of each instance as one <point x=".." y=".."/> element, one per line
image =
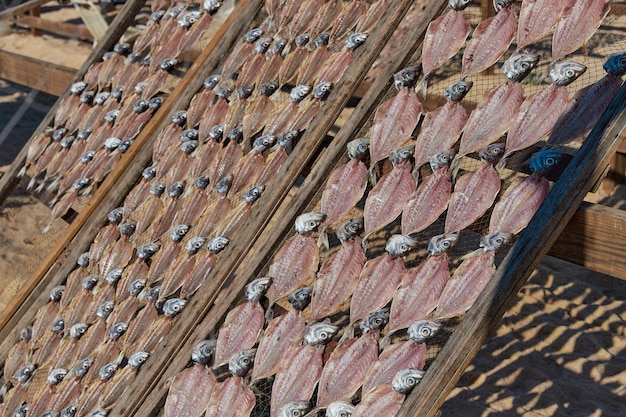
<point x="536" y="18"/>
<point x="240" y="363"/>
<point x="579" y="21"/>
<point x="239" y="331"/>
<point x="190" y="392"/>
<point x="231" y="398"/>
<point x="393" y="359"/>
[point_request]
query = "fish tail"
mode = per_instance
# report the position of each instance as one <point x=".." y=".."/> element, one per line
<point x="348" y="334"/>
<point x="313" y="412"/>
<point x="21" y="172"/>
<point x="322" y="240"/>
<point x="47" y="228"/>
<point x="455" y="166"/>
<point x="502" y="163"/>
<point x="422" y="87"/>
<point x="31" y="184"/>
<point x="385" y="343"/>
<point x="372" y="175"/>
<point x="472" y="254"/>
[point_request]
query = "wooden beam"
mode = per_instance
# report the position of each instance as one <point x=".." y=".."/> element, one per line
<point x="533" y="244"/>
<point x="210" y="305"/>
<point x="22" y="8"/>
<point x="60" y="28"/>
<point x="595" y="239"/>
<point x="39" y="75"/>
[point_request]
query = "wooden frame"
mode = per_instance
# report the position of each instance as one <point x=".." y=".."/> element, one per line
<point x="27" y="71"/>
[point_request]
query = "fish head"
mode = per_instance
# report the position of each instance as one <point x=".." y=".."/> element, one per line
<point x="69" y="411"/>
<point x="67" y="141"/>
<point x="152" y="295"/>
<point x="176" y="190"/>
<point x="240" y="363"/>
<point x="189" y="134"/>
<point x="107" y="371"/>
<point x="297" y="408"/>
<point x="322" y="90"/>
<point x="299" y="92"/>
<point x="149" y="173"/>
<point x="358" y="148"/>
<point x="322" y="39"/>
<point x="58" y="326"/>
<point x="211" y="81"/>
<point x="375" y="321"/>
<point x="264" y="142"/>
<point x="253" y="35"/>
<point x="187" y="19"/>
<point x="318" y="333"/>
<point x="58" y="134"/>
<point x="216" y="132"/>
<point x="309" y="222"/>
<point x="194" y="244"/>
<point x="140" y="106"/>
<point x="495" y="241"/>
<point x="78" y="330"/>
<point x="83" y="260"/>
<point x="287" y="139"/>
<point x="81" y="183"/>
<point x="113" y="276"/>
<point x="218" y="244"/>
<point x="212" y="6"/>
<point x="99" y="413"/>
<point x="84" y="133"/>
<point x="105" y="309"/>
<point x="157" y="16"/>
<point x="277" y="46"/>
<point x="203" y="351"/>
<point x="56" y="375"/>
<point x="406" y="77"/>
<point x="56" y="293"/>
<point x="501" y="4"/>
<point x="122" y="48"/>
<point x="117" y="330"/>
<point x="157" y="189"/>
<point x="458" y="4"/>
<point x="401" y="154"/>
<point x="339" y="409"/>
<point x="116" y="215"/>
<point x="244" y="93"/>
<point x="235" y="134"/>
<point x="174" y="11"/>
<point x="457" y="91"/>
<point x="223" y="185"/>
<point x="111" y="115"/>
<point x="224" y="91"/>
<point x="442" y="243"/>
<point x="441" y="159"/>
<point x="135" y="287"/>
<point x="302" y="39"/>
<point x="202" y="181"/>
<point x="492" y="153"/>
<point x="173" y="306"/>
<point x="101" y="97"/>
<point x="89" y="282"/>
<point x="112" y="144"/>
<point x="404" y="381"/>
<point x="355" y="40"/>
<point x="541" y="162"/>
<point x="253" y="194"/>
<point x="268" y="88"/>
<point x="20" y="411"/>
<point x="519" y="65"/>
<point x="262" y="45"/>
<point x="255" y="290"/>
<point x="78" y="87"/>
<point x="300" y="298"/>
<point x="177" y="233"/>
<point x="422" y="330"/>
<point x="87" y="97"/>
<point x="24" y="373"/>
<point x="137" y="359"/>
<point x="180" y="117"/>
<point x="350" y="229"/>
<point x="82" y="367"/>
<point x="398" y="245"/>
<point x="566" y="72"/>
<point x="155" y="102"/>
<point x="26" y="333"/>
<point x="615" y="64"/>
<point x="189" y="146"/>
<point x="119" y="90"/>
<point x="148" y="250"/>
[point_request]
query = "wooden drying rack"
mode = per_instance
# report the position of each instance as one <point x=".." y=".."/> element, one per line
<point x="591" y="230"/>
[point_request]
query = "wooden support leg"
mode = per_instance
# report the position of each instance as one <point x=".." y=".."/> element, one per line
<point x="35" y="11"/>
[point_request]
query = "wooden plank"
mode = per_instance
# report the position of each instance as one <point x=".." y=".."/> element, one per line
<point x="208" y="308"/>
<point x="22" y="8"/>
<point x="40" y="75"/>
<point x="595" y="239"/>
<point x="534" y="242"/>
<point x="61" y="260"/>
<point x="60" y="28"/>
<point x="126" y="16"/>
<point x="91" y="15"/>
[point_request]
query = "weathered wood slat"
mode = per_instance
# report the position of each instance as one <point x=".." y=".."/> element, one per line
<point x="60" y="28"/>
<point x="535" y="241"/>
<point x="40" y="75"/>
<point x="21" y="8"/>
<point x="215" y="299"/>
<point x="595" y="239"/>
<point x="127" y="14"/>
<point x="80" y="233"/>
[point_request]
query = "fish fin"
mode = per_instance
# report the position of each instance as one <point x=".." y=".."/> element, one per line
<point x="47" y="228"/>
<point x="372" y="175"/>
<point x="40" y="187"/>
<point x="322" y="240"/>
<point x="385" y="343"/>
<point x="269" y="314"/>
<point x="348" y="333"/>
<point x="472" y="254"/>
<point x="455" y="165"/>
<point x="21" y="172"/>
<point x="416" y="174"/>
<point x="501" y="163"/>
<point x="314" y="412"/>
<point x="31" y="184"/>
<point x="54" y="185"/>
<point x="422" y="87"/>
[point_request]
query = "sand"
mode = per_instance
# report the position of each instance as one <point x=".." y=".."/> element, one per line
<point x="559" y="351"/>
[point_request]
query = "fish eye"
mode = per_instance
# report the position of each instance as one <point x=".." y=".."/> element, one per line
<point x="550" y="161"/>
<point x="403" y="247"/>
<point x="323" y="335"/>
<point x="569" y="73"/>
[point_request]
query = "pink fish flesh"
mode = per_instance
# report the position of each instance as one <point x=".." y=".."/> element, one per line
<point x="465" y="286"/>
<point x="394" y="123"/>
<point x="231" y="398"/>
<point x="239" y="331"/>
<point x="278" y="337"/>
<point x="393" y="359"/>
<point x="474" y="193"/>
<point x="294" y="264"/>
<point x="337" y="279"/>
<point x="346" y="368"/>
<point x="536" y="18"/>
<point x="584" y="110"/>
<point x="518" y="204"/>
<point x="383" y="401"/>
<point x="428" y="202"/>
<point x="418" y="294"/>
<point x="344" y="188"/>
<point x="579" y="21"/>
<point x="190" y="392"/>
<point x="489" y="42"/>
